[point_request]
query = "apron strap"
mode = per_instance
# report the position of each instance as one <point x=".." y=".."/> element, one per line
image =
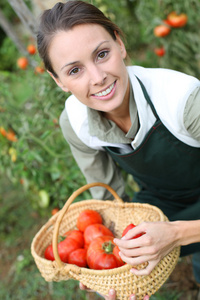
<point x="148" y="98"/>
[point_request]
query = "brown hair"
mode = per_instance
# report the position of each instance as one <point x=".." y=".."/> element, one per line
<point x="64" y="16"/>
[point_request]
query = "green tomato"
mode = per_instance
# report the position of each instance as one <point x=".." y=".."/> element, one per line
<point x="44" y="199"/>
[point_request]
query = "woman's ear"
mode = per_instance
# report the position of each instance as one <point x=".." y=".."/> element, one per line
<point x="121" y="45"/>
<point x="57" y="81"/>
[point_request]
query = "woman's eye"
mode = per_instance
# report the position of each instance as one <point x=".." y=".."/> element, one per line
<point x="102" y="54"/>
<point x="74" y="71"/>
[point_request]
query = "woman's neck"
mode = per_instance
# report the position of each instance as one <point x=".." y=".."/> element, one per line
<point x="121" y="116"/>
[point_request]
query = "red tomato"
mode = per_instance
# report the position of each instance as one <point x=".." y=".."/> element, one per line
<point x="76" y="235"/>
<point x="22" y="63"/>
<point x="78" y="257"/>
<point x="3" y="131"/>
<point x="39" y="70"/>
<point x="162" y="30"/>
<point x="177" y="20"/>
<point x="101" y="254"/>
<point x="88" y="217"/>
<point x="130" y="226"/>
<point x="54" y="211"/>
<point x="159" y="51"/>
<point x="64" y="249"/>
<point x="31" y="49"/>
<point x="95" y="230"/>
<point x="11" y="136"/>
<point x="166" y="22"/>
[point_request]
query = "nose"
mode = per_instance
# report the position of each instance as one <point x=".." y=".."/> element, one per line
<point x="97" y="75"/>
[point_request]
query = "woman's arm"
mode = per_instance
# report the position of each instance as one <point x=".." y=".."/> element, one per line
<point x="192" y="114"/>
<point x="189" y="232"/>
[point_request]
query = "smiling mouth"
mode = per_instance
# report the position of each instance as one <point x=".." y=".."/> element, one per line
<point x="105" y="92"/>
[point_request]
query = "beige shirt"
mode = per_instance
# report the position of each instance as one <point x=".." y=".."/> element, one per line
<point x="97" y="165"/>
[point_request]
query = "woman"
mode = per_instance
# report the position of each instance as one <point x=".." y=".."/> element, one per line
<point x="145" y="121"/>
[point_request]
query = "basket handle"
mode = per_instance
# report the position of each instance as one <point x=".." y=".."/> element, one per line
<point x="65" y="208"/>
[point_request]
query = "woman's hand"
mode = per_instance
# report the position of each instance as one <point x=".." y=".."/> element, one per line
<point x="111" y="295"/>
<point x="158" y="240"/>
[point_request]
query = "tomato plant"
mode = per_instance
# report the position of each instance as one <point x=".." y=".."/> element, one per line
<point x="78" y="257"/>
<point x="162" y="30"/>
<point x="76" y="235"/>
<point x="176" y="20"/>
<point x="64" y="249"/>
<point x="88" y="217"/>
<point x="101" y="254"/>
<point x="95" y="230"/>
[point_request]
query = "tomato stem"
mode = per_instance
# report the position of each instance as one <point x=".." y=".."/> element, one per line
<point x="61" y="238"/>
<point x="108" y="247"/>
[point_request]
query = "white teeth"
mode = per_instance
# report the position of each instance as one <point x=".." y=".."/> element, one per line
<point x="106" y="92"/>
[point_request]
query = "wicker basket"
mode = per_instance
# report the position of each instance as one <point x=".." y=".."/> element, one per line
<point x="116" y="215"/>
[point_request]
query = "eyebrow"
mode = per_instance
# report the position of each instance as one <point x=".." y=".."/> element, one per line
<point x="77" y="61"/>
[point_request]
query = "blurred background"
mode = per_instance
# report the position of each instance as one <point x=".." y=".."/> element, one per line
<point x="37" y="170"/>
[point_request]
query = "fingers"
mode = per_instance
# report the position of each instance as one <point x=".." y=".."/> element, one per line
<point x="139" y="229"/>
<point x="145" y="271"/>
<point x="111" y="294"/>
<point x="84" y="288"/>
<point x="134" y="261"/>
<point x="81" y="286"/>
<point x="128" y="244"/>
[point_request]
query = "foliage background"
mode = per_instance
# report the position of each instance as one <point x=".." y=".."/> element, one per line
<point x="39" y="165"/>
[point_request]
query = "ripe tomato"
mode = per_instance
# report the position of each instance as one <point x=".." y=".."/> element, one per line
<point x="22" y="63"/>
<point x="130" y="226"/>
<point x="54" y="211"/>
<point x="177" y="20"/>
<point x="31" y="49"/>
<point x="95" y="230"/>
<point x="64" y="249"/>
<point x="101" y="254"/>
<point x="3" y="131"/>
<point x="88" y="217"/>
<point x="76" y="235"/>
<point x="78" y="257"/>
<point x="159" y="51"/>
<point x="162" y="30"/>
<point x="39" y="70"/>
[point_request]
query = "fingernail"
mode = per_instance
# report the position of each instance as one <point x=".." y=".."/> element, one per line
<point x="132" y="297"/>
<point x="111" y="292"/>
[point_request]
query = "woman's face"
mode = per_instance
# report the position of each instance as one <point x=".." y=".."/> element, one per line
<point x="90" y="65"/>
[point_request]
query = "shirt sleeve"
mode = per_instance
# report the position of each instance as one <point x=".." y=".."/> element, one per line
<point x="191" y="116"/>
<point x="96" y="165"/>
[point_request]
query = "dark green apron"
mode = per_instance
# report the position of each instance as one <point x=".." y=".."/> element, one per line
<point x="167" y="171"/>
